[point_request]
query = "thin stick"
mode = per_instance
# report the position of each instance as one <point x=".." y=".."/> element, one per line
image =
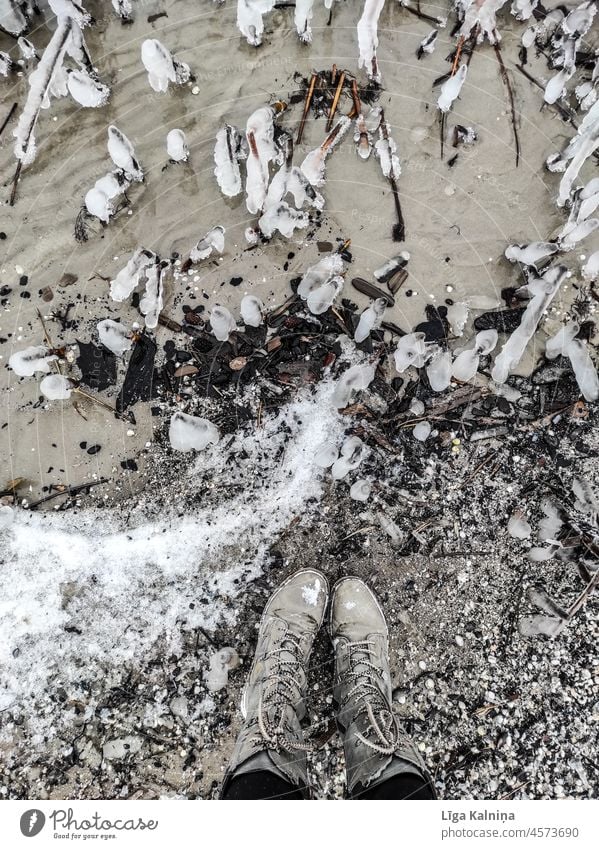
<point x="399" y="231"/>
<point x="458" y="51"/>
<point x="421" y="15"/>
<point x="8" y="117"/>
<point x="508" y="85"/>
<point x="355" y="97"/>
<point x="335" y="100"/>
<point x="15" y="182"/>
<point x="69" y="490"/>
<point x="300" y="131"/>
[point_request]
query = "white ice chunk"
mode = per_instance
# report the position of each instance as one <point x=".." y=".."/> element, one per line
<point x="214" y="240"/>
<point x="129" y="277"/>
<point x="577" y="352"/>
<point x="98" y="204"/>
<point x="222" y="323"/>
<point x="572" y="235"/>
<point x="326" y="455"/>
<point x="550" y="525"/>
<point x="457" y="316"/>
<point x="7" y="515"/>
<point x="115" y="336"/>
<point x="320" y="299"/>
<point x="249" y="19"/>
<point x="56" y="387"/>
<point x="191" y="433"/>
<point x="152" y="300"/>
<point x="368" y="38"/>
<point x="282" y="218"/>
<point x="176" y="146"/>
<point x="314" y="165"/>
<point x="110" y="186"/>
<point x="360" y="490"/>
<point x="161" y="66"/>
<point x="411" y="351"/>
<point x="422" y="431"/>
<point x="262" y="151"/>
<point x="122" y="154"/>
<point x="465" y="364"/>
<point x="451" y="89"/>
<point x="317" y="274"/>
<point x="590" y="270"/>
<point x="353" y="452"/>
<point x="370" y="319"/>
<point x="34" y="359"/>
<point x="252" y="310"/>
<point x="85" y="90"/>
<point x="428" y="43"/>
<point x="221" y="663"/>
<point x="532" y="253"/>
<point x="302" y="19"/>
<point x="353" y="380"/>
<point x="543" y="290"/>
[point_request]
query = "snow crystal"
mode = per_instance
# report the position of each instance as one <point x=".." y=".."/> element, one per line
<point x="115" y="336"/>
<point x="311" y="592"/>
<point x="191" y="433"/>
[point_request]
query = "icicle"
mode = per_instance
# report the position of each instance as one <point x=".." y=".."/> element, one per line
<point x="262" y="151"/>
<point x="115" y="336"/>
<point x="214" y="240"/>
<point x="578" y="150"/>
<point x="314" y="165"/>
<point x="543" y="290"/>
<point x="411" y="351"/>
<point x="227" y="153"/>
<point x="161" y="66"/>
<point x="222" y="323"/>
<point x="34" y="359"/>
<point x="249" y="19"/>
<point x="565" y="344"/>
<point x="481" y="13"/>
<point x="303" y="18"/>
<point x="320" y="299"/>
<point x="368" y="38"/>
<point x="176" y="146"/>
<point x="451" y="88"/>
<point x="6" y="64"/>
<point x="152" y="300"/>
<point x="353" y="380"/>
<point x="191" y="433"/>
<point x="26" y="49"/>
<point x="252" y="310"/>
<point x="370" y="319"/>
<point x="122" y="154"/>
<point x="56" y="387"/>
<point x="570" y="237"/>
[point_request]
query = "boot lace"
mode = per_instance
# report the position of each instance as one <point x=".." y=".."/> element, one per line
<point x="382" y="732"/>
<point x="280" y="690"/>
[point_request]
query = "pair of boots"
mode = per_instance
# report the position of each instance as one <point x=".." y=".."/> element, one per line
<point x="271" y="746"/>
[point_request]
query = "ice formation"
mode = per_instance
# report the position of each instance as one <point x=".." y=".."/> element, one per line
<point x="576" y="152"/>
<point x="451" y="88"/>
<point x="252" y="310"/>
<point x="411" y="351"/>
<point x="542" y="290"/>
<point x="56" y="387"/>
<point x="438" y="369"/>
<point x="326" y="455"/>
<point x="191" y="433"/>
<point x="370" y="319"/>
<point x="122" y="154"/>
<point x="214" y="240"/>
<point x="249" y="19"/>
<point x="481" y="14"/>
<point x="352" y="453"/>
<point x="317" y="274"/>
<point x="161" y="66"/>
<point x="422" y="431"/>
<point x="302" y="19"/>
<point x="115" y="336"/>
<point x="221" y="663"/>
<point x="314" y="164"/>
<point x="428" y="43"/>
<point x="228" y="151"/>
<point x="355" y="379"/>
<point x="532" y="253"/>
<point x="31" y="360"/>
<point x="86" y="90"/>
<point x="368" y="38"/>
<point x="466" y="363"/>
<point x="566" y="344"/>
<point x="590" y="270"/>
<point x="385" y="150"/>
<point x="262" y="151"/>
<point x="222" y="323"/>
<point x="176" y="146"/>
<point x="360" y="490"/>
<point x="518" y="527"/>
<point x="389" y="268"/>
<point x="457" y="316"/>
<point x="98" y="204"/>
<point x="320" y="299"/>
<point x="129" y="277"/>
<point x="152" y="300"/>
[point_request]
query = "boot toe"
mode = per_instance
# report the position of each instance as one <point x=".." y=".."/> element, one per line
<point x="355" y="611"/>
<point x="303" y="597"/>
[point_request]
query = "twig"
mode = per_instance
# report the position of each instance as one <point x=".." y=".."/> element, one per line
<point x="300" y="131"/>
<point x="399" y="231"/>
<point x="422" y="15"/>
<point x="15" y="183"/>
<point x="458" y="52"/>
<point x="508" y="85"/>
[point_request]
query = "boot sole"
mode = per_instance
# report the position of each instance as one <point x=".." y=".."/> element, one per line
<point x="287" y="581"/>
